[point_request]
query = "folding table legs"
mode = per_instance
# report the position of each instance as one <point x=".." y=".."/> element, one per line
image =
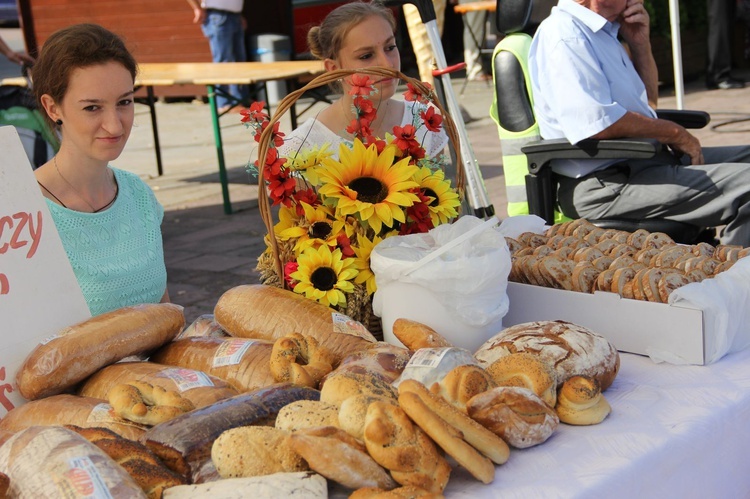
<point x="219" y="149"/>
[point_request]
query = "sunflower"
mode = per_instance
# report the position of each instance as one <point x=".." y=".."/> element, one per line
<point x="323" y="275"/>
<point x="368" y="185"/>
<point x="444" y="203"/>
<point x="362" y="262"/>
<point x="308" y="160"/>
<point x="317" y="227"/>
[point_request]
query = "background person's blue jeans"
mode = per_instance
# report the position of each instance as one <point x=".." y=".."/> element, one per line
<point x="226" y="38"/>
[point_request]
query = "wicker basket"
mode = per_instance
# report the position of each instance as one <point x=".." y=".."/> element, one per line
<point x="278" y="255"/>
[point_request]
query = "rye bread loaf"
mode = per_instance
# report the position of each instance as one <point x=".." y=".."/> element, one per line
<point x="268" y="312"/>
<point x="570" y="348"/>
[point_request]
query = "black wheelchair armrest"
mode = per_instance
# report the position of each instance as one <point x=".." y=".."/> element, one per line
<point x="540" y="153"/>
<point x="541" y="190"/>
<point x="688" y="119"/>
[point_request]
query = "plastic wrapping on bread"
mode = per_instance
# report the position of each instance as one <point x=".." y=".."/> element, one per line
<point x="243" y="363"/>
<point x="267" y="312"/>
<point x="57" y="462"/>
<point x="79" y="351"/>
<point x="63" y="409"/>
<point x="431" y="365"/>
<point x="200" y="388"/>
<point x="184" y="443"/>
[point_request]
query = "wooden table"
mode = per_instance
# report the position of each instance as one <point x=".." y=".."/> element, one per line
<point x="211" y="74"/>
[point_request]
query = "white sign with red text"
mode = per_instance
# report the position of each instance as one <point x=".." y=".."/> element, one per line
<point x="39" y="294"/>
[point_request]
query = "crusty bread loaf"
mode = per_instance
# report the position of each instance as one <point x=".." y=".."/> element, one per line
<point x="461" y="383"/>
<point x="381" y="359"/>
<point x="80" y="350"/>
<point x="400" y="446"/>
<point x="268" y="312"/>
<point x="65" y="409"/>
<point x="344" y="385"/>
<point x="581" y="402"/>
<point x="570" y="348"/>
<point x="46" y="461"/>
<point x="415" y="335"/>
<point x="528" y="370"/>
<point x="515" y="414"/>
<point x="184" y="443"/>
<point x="307" y="414"/>
<point x="140" y="463"/>
<point x="4" y="485"/>
<point x="340" y="457"/>
<point x="243" y="363"/>
<point x="254" y="451"/>
<point x="205" y="325"/>
<point x="200" y="388"/>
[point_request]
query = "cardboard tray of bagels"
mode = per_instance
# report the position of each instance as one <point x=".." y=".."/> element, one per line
<point x="699" y="323"/>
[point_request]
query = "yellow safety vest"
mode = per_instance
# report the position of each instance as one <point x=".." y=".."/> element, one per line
<point x="515" y="165"/>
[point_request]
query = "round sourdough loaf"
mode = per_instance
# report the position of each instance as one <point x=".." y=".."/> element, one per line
<point x="570" y="348"/>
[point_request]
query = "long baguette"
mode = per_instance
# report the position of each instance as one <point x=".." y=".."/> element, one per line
<point x="80" y="350"/>
<point x="268" y="312"/>
<point x="184" y="443"/>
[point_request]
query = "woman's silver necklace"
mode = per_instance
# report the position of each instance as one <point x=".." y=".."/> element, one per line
<point x="93" y="210"/>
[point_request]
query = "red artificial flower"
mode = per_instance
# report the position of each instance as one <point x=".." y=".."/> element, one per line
<point x="281" y="189"/>
<point x="405" y="137"/>
<point x="256" y="112"/>
<point x="413" y="94"/>
<point x="418" y="215"/>
<point x="365" y="110"/>
<point x="274" y="164"/>
<point x="277" y="137"/>
<point x="345" y="245"/>
<point x="259" y="130"/>
<point x="308" y="196"/>
<point x="361" y="85"/>
<point x="432" y="120"/>
<point x="380" y="144"/>
<point x="289" y="269"/>
<point x="359" y="128"/>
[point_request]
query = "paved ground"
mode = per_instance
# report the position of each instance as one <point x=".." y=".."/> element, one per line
<point x="208" y="252"/>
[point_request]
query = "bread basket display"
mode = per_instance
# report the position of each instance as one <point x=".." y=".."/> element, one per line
<point x="329" y="218"/>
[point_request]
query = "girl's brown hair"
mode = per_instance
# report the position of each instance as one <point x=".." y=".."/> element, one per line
<point x="73" y="47"/>
<point x="325" y="41"/>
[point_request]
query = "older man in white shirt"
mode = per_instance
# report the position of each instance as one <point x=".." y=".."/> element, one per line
<point x="585" y="85"/>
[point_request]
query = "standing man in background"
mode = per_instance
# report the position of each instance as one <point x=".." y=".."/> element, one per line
<point x="721" y="19"/>
<point x="222" y="23"/>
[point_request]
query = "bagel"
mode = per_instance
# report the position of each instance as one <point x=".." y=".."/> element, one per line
<point x="300" y="360"/>
<point x="144" y="403"/>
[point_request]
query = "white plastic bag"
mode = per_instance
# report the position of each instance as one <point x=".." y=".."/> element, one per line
<point x="453" y="279"/>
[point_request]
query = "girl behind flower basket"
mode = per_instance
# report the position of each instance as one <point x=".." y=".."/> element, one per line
<point x="108" y="219"/>
<point x="359" y="35"/>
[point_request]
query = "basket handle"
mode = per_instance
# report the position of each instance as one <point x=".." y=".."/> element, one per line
<point x="264" y="204"/>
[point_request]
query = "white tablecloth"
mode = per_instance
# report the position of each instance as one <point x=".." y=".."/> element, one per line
<point x="674" y="432"/>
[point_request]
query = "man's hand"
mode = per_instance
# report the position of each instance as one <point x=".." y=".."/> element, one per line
<point x="634" y="24"/>
<point x="686" y="143"/>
